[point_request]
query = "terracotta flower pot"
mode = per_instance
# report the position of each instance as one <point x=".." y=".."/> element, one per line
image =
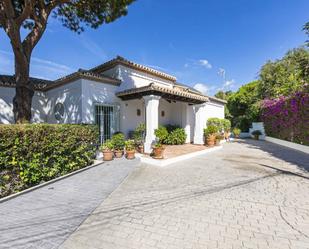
<point x="107" y="155"/>
<point x="130" y="154"/>
<point x="158" y="152"/>
<point x="210" y="140"/>
<point x="118" y="153"/>
<point x="140" y="149"/>
<point x="218" y="142"/>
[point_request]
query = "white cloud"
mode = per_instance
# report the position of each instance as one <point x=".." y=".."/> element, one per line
<point x="93" y="47"/>
<point x="205" y="63"/>
<point x="201" y="87"/>
<point x="229" y="83"/>
<point x="40" y="68"/>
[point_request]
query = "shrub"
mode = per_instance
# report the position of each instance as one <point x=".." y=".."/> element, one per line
<point x="34" y="153"/>
<point x="226" y="124"/>
<point x="161" y="133"/>
<point x="221" y="124"/>
<point x="210" y="130"/>
<point x="118" y="141"/>
<point x="256" y="133"/>
<point x="215" y="122"/>
<point x="176" y="136"/>
<point x="236" y="131"/>
<point x="171" y="127"/>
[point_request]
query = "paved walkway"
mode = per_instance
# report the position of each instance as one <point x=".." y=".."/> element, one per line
<point x="249" y="195"/>
<point x="44" y="218"/>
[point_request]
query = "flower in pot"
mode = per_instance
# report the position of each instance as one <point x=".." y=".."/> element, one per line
<point x="210" y="134"/>
<point x="256" y="134"/>
<point x="107" y="150"/>
<point x="219" y="137"/>
<point x="236" y="132"/>
<point x="119" y="142"/>
<point x="130" y="149"/>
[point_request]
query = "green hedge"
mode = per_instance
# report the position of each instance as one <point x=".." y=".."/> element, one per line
<point x="34" y="153"/>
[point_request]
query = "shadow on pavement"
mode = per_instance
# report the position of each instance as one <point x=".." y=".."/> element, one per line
<point x="298" y="158"/>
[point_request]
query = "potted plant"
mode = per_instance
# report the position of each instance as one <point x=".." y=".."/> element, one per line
<point x="210" y="135"/>
<point x="130" y="149"/>
<point x="119" y="142"/>
<point x="107" y="150"/>
<point x="158" y="148"/>
<point x="236" y="132"/>
<point x="138" y="136"/>
<point x="256" y="134"/>
<point x="219" y="137"/>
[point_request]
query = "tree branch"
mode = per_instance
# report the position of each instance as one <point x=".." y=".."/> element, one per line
<point x="26" y="12"/>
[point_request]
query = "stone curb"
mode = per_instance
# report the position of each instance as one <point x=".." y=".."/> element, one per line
<point x="12" y="196"/>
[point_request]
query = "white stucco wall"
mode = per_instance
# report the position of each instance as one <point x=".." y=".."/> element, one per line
<point x="71" y="96"/>
<point x="132" y="78"/>
<point x="6" y="106"/>
<point x="214" y="110"/>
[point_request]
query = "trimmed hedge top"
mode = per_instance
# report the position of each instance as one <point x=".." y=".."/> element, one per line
<point x="34" y="153"/>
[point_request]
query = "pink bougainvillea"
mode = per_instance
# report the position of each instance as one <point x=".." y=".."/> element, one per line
<point x="287" y="117"/>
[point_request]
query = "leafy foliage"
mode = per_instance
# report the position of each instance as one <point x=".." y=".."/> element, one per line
<point x="130" y="145"/>
<point x="236" y="131"/>
<point x="108" y="145"/>
<point x="285" y="76"/>
<point x="244" y="106"/>
<point x="118" y="141"/>
<point x="176" y="136"/>
<point x="171" y="134"/>
<point x="30" y="154"/>
<point x="287" y="117"/>
<point x="221" y="124"/>
<point x="161" y="134"/>
<point x="210" y="130"/>
<point x="139" y="134"/>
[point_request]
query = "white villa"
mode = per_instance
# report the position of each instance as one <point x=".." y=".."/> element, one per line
<point x="117" y="95"/>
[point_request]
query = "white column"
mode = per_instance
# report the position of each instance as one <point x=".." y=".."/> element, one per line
<point x="186" y="121"/>
<point x="200" y="123"/>
<point x="152" y="120"/>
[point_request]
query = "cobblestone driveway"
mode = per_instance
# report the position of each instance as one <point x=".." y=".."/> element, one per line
<point x="249" y="195"/>
<point x="44" y="218"/>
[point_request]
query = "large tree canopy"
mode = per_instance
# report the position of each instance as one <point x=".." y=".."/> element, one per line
<point x="33" y="16"/>
<point x="285" y="76"/>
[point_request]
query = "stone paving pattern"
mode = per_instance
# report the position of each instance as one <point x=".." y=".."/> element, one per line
<point x="45" y="217"/>
<point x="250" y="194"/>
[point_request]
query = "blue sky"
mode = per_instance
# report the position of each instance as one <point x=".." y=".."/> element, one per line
<point x="192" y="40"/>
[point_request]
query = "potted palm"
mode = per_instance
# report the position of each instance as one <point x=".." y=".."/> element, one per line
<point x="158" y="148"/>
<point x="236" y="132"/>
<point x="130" y="149"/>
<point x="256" y="134"/>
<point x="107" y="150"/>
<point x="210" y="134"/>
<point x="119" y="142"/>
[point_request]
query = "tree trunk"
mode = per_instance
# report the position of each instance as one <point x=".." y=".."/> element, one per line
<point x="22" y="100"/>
